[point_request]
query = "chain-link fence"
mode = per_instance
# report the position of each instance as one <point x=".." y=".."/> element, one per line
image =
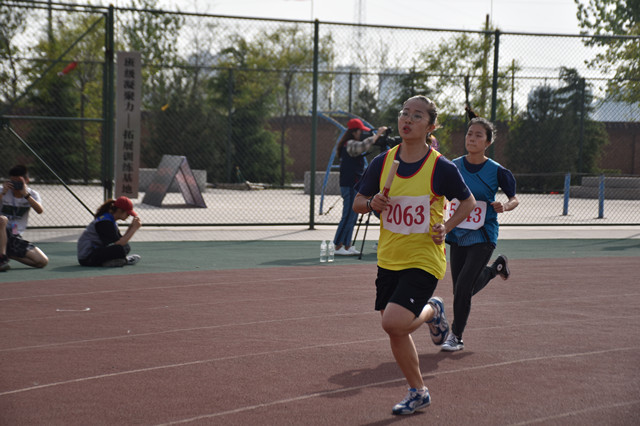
<point x="236" y="97"/>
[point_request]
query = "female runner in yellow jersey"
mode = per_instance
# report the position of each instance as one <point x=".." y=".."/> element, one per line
<point x="411" y="256"/>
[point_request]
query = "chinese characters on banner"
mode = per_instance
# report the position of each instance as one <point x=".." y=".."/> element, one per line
<point x="127" y="138"/>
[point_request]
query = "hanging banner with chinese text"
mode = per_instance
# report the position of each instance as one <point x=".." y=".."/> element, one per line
<point x="127" y="137"/>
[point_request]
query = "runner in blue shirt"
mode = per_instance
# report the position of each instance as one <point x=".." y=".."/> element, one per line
<point x="473" y="241"/>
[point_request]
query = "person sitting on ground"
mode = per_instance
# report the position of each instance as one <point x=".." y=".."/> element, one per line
<point x="17" y="200"/>
<point x="101" y="243"/>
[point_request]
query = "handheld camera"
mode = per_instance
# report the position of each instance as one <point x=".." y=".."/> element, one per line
<point x="386" y="141"/>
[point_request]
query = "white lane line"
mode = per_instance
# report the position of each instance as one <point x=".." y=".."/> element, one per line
<point x="399" y="380"/>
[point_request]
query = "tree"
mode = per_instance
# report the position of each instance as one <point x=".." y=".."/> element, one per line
<point x="242" y="95"/>
<point x="58" y="143"/>
<point x="448" y="66"/>
<point x="171" y="97"/>
<point x="547" y="137"/>
<point x="69" y="90"/>
<point x="621" y="55"/>
<point x="85" y="73"/>
<point x="271" y="72"/>
<point x="185" y="126"/>
<point x="467" y="56"/>
<point x="12" y="22"/>
<point x="155" y="36"/>
<point x="287" y="51"/>
<point x="366" y="106"/>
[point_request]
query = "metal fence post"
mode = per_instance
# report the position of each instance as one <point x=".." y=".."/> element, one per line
<point x="108" y="94"/>
<point x="494" y="85"/>
<point x="567" y="190"/>
<point x="582" y="86"/>
<point x="229" y="149"/>
<point x="314" y="127"/>
<point x="601" y="198"/>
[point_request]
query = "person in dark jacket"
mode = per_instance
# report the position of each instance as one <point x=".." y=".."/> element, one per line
<point x="101" y="243"/>
<point x="351" y="151"/>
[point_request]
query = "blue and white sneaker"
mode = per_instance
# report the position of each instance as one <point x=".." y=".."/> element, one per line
<point x="412" y="402"/>
<point x="438" y="325"/>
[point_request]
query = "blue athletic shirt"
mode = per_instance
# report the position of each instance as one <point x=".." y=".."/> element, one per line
<point x="446" y="179"/>
<point x="483" y="180"/>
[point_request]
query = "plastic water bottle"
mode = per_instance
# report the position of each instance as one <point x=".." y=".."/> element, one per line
<point x="331" y="250"/>
<point x="323" y="251"/>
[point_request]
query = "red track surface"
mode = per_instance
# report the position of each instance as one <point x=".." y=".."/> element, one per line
<point x="559" y="343"/>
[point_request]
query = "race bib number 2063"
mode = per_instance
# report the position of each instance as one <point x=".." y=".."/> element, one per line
<point x="407" y="215"/>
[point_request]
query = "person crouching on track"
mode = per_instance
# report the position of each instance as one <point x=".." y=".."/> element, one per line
<point x="101" y="243"/>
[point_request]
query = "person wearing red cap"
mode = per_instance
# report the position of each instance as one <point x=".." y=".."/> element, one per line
<point x="101" y="243"/>
<point x="351" y="152"/>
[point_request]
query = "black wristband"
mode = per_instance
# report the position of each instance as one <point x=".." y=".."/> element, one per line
<point x="369" y="205"/>
<point x="26" y="197"/>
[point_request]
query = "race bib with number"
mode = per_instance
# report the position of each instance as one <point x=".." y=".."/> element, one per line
<point x="476" y="218"/>
<point x="407" y="215"/>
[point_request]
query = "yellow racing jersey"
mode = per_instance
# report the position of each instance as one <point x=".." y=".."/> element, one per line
<point x="405" y="225"/>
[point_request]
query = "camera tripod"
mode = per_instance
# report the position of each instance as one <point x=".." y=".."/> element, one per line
<point x="364" y="238"/>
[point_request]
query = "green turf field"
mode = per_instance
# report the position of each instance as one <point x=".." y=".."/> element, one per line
<point x="218" y="255"/>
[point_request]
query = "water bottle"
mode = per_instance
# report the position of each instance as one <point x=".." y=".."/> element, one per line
<point x="323" y="251"/>
<point x="331" y="251"/>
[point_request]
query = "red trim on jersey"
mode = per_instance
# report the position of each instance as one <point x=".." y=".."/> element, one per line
<point x="435" y="164"/>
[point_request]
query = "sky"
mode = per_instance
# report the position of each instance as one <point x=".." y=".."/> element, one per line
<point x="528" y="16"/>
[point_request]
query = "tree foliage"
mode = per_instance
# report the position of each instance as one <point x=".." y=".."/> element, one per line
<point x="621" y="55"/>
<point x="155" y="36"/>
<point x="287" y="53"/>
<point x="448" y="67"/>
<point x="548" y="135"/>
<point x="242" y="98"/>
<point x="467" y="56"/>
<point x="12" y="22"/>
<point x="70" y="147"/>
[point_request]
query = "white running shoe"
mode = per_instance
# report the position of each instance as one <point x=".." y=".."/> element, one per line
<point x="353" y="251"/>
<point x="438" y="325"/>
<point x="133" y="259"/>
<point x="412" y="402"/>
<point x="342" y="252"/>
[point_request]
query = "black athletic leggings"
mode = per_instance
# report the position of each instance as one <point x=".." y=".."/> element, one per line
<point x="470" y="274"/>
<point x="103" y="254"/>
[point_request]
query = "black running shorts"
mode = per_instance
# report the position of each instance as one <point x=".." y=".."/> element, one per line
<point x="411" y="288"/>
<point x="16" y="246"/>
